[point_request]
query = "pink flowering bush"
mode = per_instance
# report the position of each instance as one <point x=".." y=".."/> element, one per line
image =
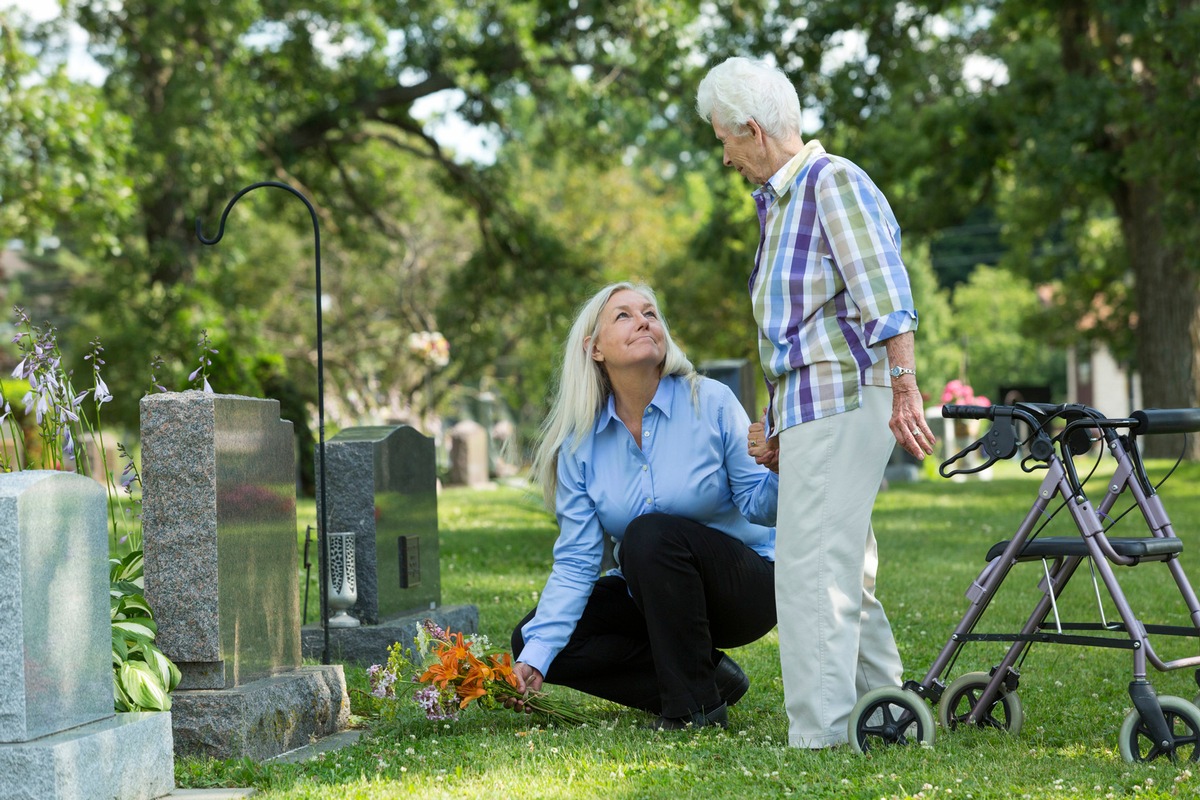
<point x="959" y="393"/>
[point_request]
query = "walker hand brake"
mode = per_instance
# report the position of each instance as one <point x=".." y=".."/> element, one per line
<point x="961" y="454"/>
<point x="998" y="443"/>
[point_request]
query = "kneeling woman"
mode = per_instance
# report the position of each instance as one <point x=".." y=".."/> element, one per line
<point x="641" y="448"/>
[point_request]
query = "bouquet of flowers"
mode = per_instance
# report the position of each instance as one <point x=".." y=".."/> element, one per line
<point x="451" y="672"/>
<point x="430" y="347"/>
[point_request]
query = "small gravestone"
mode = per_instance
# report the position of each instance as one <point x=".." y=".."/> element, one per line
<point x="219" y="531"/>
<point x="59" y="736"/>
<point x="468" y="454"/>
<point x="381" y="485"/>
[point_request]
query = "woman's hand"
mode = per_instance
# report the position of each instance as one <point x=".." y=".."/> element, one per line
<point x="528" y="680"/>
<point x="764" y="451"/>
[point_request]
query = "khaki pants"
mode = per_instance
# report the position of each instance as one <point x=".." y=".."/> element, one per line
<point x="835" y="642"/>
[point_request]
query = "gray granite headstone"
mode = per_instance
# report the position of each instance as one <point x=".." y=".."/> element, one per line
<point x="56" y="663"/>
<point x="382" y="486"/>
<point x="59" y="736"/>
<point x="468" y="454"/>
<point x="219" y="532"/>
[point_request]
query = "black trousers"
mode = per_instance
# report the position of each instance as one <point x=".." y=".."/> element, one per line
<point x="650" y="641"/>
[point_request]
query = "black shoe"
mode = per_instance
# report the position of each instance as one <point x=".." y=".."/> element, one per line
<point x="697" y="719"/>
<point x="732" y="683"/>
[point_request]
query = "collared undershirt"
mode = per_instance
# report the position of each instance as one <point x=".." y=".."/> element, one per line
<point x="828" y="286"/>
<point x="690" y="465"/>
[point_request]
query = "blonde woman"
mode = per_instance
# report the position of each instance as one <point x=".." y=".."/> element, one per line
<point x="640" y="448"/>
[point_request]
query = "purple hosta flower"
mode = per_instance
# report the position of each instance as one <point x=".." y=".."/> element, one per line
<point x="68" y="444"/>
<point x="19" y="371"/>
<point x="156" y="366"/>
<point x="128" y="476"/>
<point x="42" y="407"/>
<point x="102" y="394"/>
<point x="437" y="703"/>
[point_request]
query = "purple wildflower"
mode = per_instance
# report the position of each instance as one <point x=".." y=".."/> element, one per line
<point x="437" y="704"/>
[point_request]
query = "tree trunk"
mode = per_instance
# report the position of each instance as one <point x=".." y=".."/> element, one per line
<point x="1168" y="315"/>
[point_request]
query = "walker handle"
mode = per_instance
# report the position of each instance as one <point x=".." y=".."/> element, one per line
<point x="968" y="412"/>
<point x="1166" y="420"/>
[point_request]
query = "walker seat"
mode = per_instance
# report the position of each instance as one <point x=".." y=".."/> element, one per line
<point x="1141" y="548"/>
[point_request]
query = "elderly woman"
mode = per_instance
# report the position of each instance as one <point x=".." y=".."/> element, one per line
<point x="641" y="448"/>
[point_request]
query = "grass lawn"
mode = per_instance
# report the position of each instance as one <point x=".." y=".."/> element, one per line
<point x="496" y="548"/>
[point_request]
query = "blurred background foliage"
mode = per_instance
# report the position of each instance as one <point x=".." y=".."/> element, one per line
<point x="1023" y="146"/>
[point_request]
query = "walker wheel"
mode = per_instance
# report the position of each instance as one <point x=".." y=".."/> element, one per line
<point x="890" y="715"/>
<point x="1137" y="743"/>
<point x="961" y="697"/>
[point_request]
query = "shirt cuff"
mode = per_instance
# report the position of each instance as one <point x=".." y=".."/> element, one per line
<point x="893" y="324"/>
<point x="537" y="656"/>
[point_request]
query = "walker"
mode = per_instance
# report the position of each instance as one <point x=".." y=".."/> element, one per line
<point x="1156" y="726"/>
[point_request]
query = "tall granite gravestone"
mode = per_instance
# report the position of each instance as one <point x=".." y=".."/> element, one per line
<point x="59" y="737"/>
<point x="219" y="532"/>
<point x="382" y="487"/>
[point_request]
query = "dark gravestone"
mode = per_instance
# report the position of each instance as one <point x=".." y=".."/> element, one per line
<point x="382" y="487"/>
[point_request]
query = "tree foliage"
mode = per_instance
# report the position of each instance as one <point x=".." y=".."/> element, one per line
<point x="1064" y="133"/>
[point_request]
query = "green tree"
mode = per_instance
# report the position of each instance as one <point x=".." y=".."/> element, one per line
<point x="1082" y="111"/>
<point x="995" y="322"/>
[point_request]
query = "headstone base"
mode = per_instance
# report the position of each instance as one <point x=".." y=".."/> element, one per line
<point x="127" y="756"/>
<point x="369" y="644"/>
<point x="263" y="718"/>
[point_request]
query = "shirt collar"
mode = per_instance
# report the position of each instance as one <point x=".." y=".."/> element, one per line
<point x="782" y="181"/>
<point x="663" y="397"/>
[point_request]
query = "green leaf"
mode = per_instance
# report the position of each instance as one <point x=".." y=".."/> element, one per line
<point x="140" y="629"/>
<point x="143" y="687"/>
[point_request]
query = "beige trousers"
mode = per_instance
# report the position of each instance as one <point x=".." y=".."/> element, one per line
<point x="835" y="642"/>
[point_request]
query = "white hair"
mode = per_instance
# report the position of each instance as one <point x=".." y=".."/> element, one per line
<point x="740" y="89"/>
<point x="583" y="386"/>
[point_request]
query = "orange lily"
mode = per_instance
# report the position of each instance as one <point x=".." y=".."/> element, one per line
<point x="502" y="669"/>
<point x="471" y="688"/>
<point x="441" y="673"/>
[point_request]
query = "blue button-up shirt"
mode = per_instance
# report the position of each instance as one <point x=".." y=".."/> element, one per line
<point x="691" y="463"/>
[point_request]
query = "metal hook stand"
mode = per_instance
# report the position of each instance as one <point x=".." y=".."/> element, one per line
<point x="324" y="507"/>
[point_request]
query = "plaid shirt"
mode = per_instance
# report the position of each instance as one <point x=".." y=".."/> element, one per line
<point x="828" y="286"/>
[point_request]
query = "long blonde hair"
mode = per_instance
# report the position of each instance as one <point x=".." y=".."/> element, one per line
<point x="583" y="386"/>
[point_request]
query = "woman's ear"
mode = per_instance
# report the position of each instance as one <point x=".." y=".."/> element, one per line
<point x="595" y="355"/>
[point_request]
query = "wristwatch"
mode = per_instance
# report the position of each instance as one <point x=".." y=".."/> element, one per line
<point x="896" y="372"/>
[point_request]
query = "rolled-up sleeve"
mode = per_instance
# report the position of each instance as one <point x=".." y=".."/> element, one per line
<point x="864" y="240"/>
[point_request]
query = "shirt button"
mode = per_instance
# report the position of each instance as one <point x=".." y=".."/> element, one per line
<point x="647" y="500"/>
<point x="646" y="434"/>
<point x="645" y="467"/>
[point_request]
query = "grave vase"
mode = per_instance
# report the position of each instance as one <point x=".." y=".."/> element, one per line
<point x="343" y="583"/>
